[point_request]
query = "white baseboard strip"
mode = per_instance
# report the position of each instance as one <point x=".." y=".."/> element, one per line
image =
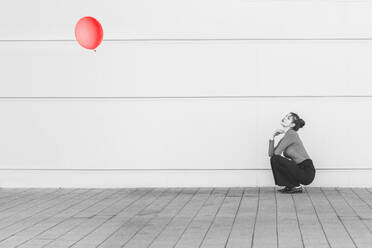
<point x="171" y="178"/>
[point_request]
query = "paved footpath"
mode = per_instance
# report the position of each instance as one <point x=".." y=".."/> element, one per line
<point x="185" y="218"/>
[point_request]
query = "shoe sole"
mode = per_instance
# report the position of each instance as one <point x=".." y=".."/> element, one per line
<point x="282" y="191"/>
<point x="293" y="192"/>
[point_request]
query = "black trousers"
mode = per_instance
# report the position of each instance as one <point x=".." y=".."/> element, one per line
<point x="287" y="173"/>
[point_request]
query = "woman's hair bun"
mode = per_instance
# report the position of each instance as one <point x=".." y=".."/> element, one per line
<point x="301" y="123"/>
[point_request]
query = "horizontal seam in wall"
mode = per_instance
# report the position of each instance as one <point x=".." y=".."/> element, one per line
<point x="173" y="97"/>
<point x="181" y="169"/>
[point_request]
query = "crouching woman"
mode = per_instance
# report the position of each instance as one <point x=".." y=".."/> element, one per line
<point x="296" y="167"/>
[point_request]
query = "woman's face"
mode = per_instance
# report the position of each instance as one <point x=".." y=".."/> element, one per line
<point x="287" y="121"/>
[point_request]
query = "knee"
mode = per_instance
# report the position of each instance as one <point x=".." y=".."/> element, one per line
<point x="274" y="159"/>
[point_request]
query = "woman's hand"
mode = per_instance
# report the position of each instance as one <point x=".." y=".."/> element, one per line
<point x="277" y="132"/>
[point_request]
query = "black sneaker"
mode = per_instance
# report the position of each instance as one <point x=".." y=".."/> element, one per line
<point x="282" y="190"/>
<point x="297" y="189"/>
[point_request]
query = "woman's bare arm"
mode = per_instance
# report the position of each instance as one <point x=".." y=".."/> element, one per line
<point x="271" y="148"/>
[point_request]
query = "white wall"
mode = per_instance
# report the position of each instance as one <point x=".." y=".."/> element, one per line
<point x="190" y="99"/>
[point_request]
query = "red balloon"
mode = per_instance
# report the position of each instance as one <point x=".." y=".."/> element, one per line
<point x="88" y="32"/>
